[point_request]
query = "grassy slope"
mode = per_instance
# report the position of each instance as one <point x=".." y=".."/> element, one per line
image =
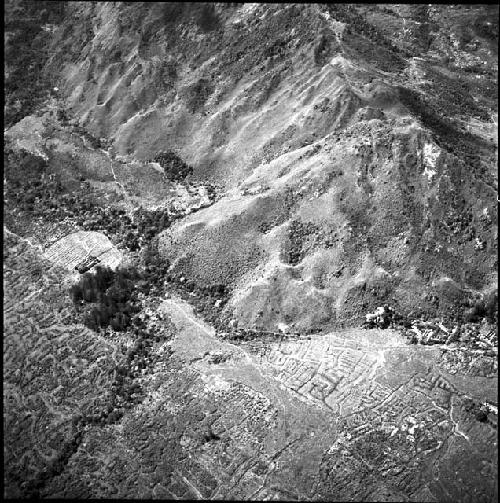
<point x="323" y="119"/>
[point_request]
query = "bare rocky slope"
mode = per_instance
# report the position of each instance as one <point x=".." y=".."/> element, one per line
<point x="285" y="169"/>
<point x="359" y="166"/>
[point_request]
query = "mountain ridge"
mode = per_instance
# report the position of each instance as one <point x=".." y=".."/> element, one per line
<point x="243" y="113"/>
<point x="250" y="251"/>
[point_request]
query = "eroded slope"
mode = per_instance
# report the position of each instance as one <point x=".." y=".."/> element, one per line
<point x="358" y="148"/>
<point x="353" y="165"/>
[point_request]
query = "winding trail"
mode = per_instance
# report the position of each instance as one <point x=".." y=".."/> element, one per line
<point x="36" y="246"/>
<point x="108" y="155"/>
<point x="384" y="356"/>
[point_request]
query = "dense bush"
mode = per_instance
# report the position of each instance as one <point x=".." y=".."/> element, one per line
<point x="26" y="52"/>
<point x="486" y="308"/>
<point x="197" y="94"/>
<point x="32" y="187"/>
<point x="452" y="96"/>
<point x="149" y="223"/>
<point x="298" y="232"/>
<point x="487" y="28"/>
<point x="172" y="12"/>
<point x="114" y="296"/>
<point x="321" y="50"/>
<point x="447" y="135"/>
<point x="491" y="307"/>
<point x="206" y="17"/>
<point x="357" y="24"/>
<point x="155" y="270"/>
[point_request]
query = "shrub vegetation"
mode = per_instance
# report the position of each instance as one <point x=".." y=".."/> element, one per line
<point x="113" y="294"/>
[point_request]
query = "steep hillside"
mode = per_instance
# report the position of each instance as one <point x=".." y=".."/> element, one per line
<point x="203" y="203"/>
<point x="360" y="167"/>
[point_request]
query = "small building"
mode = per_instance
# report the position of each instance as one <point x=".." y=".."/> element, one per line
<point x="87" y="264"/>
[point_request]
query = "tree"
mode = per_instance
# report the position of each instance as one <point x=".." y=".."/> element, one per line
<point x="103" y="277"/>
<point x="76" y="293"/>
<point x="89" y="295"/>
<point x="207" y="18"/>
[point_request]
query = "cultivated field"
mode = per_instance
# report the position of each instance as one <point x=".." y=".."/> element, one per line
<point x="72" y="249"/>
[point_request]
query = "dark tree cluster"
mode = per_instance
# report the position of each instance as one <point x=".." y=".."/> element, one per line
<point x="206" y="17"/>
<point x="247" y="335"/>
<point x="486" y="308"/>
<point x="114" y="295"/>
<point x="95" y="143"/>
<point x="174" y="167"/>
<point x="29" y="186"/>
<point x="446" y="133"/>
<point x="357" y="24"/>
<point x="26" y="54"/>
<point x="150" y="223"/>
<point x="322" y="50"/>
<point x="197" y="94"/>
<point x="276" y="48"/>
<point x="114" y="221"/>
<point x="479" y="411"/>
<point x="155" y="269"/>
<point x="452" y="96"/>
<point x="297" y="234"/>
<point x="131" y="232"/>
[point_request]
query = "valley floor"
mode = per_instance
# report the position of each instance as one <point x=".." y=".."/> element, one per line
<point x="357" y="414"/>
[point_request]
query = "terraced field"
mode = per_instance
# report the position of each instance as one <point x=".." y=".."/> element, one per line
<point x="72" y="249"/>
<point x="55" y="370"/>
<point x="338" y="416"/>
<point x="267" y="175"/>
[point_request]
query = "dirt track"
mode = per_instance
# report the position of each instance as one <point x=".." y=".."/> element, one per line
<point x="361" y="383"/>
